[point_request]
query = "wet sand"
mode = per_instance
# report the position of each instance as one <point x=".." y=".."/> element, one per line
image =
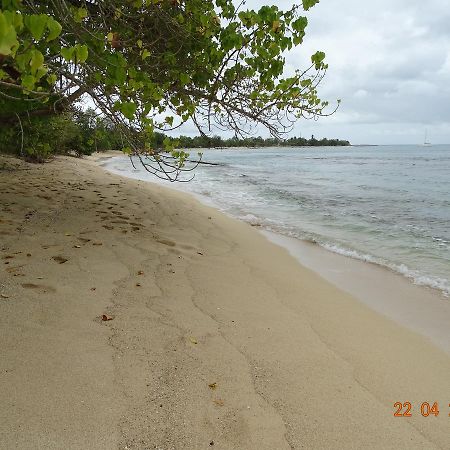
<point x="419" y="308"/>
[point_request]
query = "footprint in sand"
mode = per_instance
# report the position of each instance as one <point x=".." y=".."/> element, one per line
<point x="166" y="242"/>
<point x="41" y="288"/>
<point x="60" y="259"/>
<point x="187" y="247"/>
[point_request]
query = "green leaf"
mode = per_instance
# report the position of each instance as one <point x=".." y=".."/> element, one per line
<point x="184" y="78"/>
<point x="128" y="109"/>
<point x="300" y="24"/>
<point x="23" y="60"/>
<point x="40" y="73"/>
<point x="8" y="36"/>
<point x="317" y="59"/>
<point x="14" y="18"/>
<point x="51" y="79"/>
<point x="169" y="120"/>
<point x="297" y="40"/>
<point x="305" y="83"/>
<point x="37" y="61"/>
<point x="67" y="53"/>
<point x="36" y="23"/>
<point x="54" y="29"/>
<point x="28" y="82"/>
<point x="307" y="4"/>
<point x="168" y="144"/>
<point x="80" y="14"/>
<point x="82" y="53"/>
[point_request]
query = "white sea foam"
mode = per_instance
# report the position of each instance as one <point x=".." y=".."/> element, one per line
<point x="418" y="278"/>
<point x="251" y="219"/>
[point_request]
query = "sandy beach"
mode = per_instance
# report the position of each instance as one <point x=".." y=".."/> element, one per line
<point x="214" y="338"/>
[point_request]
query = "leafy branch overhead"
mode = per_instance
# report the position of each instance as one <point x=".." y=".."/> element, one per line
<point x="152" y="65"/>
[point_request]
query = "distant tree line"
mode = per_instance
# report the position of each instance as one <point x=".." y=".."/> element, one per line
<point x="218" y="142"/>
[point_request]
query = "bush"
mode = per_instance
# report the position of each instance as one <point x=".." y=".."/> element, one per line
<point x="81" y="132"/>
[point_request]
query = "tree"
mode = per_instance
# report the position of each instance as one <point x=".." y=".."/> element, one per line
<point x="151" y="65"/>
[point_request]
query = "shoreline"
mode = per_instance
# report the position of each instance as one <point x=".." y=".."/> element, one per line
<point x="217" y="336"/>
<point x="421" y="308"/>
<point x="430" y="283"/>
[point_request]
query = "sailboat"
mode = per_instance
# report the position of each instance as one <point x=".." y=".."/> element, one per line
<point x="425" y="141"/>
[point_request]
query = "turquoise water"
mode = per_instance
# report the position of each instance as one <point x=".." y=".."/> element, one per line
<point x="389" y="205"/>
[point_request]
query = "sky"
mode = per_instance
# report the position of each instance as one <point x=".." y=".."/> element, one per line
<point x="389" y="63"/>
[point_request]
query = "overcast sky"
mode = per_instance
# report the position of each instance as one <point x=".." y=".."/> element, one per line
<point x="389" y="64"/>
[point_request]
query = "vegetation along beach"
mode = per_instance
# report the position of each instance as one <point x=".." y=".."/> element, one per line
<point x="202" y="247"/>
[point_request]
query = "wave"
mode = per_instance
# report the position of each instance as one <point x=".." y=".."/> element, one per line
<point x="418" y="278"/>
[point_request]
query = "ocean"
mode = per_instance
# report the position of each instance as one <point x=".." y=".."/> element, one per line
<point x="387" y="205"/>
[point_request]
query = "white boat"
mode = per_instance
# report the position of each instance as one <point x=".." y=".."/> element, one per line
<point x="425" y="141"/>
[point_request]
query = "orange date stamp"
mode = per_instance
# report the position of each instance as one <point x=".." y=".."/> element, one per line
<point x="427" y="409"/>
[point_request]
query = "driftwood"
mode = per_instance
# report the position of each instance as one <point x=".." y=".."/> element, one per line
<point x="204" y="162"/>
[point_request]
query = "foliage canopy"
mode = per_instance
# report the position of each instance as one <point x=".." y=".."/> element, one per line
<point x="151" y="65"/>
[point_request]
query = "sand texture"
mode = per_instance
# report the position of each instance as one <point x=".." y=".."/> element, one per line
<point x="217" y="339"/>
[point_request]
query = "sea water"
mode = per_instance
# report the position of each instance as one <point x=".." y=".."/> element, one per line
<point x="387" y="205"/>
